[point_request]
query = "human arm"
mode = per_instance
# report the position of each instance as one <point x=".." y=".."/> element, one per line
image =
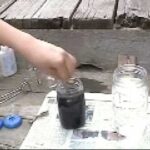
<point x="47" y="57"/>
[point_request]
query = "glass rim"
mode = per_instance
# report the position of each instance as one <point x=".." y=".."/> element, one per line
<point x="132" y="71"/>
<point x="130" y="68"/>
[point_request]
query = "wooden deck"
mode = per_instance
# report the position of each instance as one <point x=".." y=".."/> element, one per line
<point x="134" y="13"/>
<point x="58" y="14"/>
<point x="77" y="14"/>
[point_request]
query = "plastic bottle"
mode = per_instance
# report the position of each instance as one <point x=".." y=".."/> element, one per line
<point x="8" y="64"/>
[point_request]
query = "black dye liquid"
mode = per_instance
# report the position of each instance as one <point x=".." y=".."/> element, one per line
<point x="71" y="110"/>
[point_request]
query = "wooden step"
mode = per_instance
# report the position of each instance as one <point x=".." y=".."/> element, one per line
<point x="96" y="14"/>
<point x="134" y="13"/>
<point x="58" y="14"/>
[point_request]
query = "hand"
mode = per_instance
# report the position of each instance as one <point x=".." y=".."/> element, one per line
<point x="51" y="59"/>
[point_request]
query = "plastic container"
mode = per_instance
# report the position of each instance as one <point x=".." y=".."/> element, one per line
<point x="12" y="121"/>
<point x="1" y="123"/>
<point x="71" y="103"/>
<point x="8" y="64"/>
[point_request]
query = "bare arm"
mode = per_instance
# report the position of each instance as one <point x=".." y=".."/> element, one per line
<point x="45" y="56"/>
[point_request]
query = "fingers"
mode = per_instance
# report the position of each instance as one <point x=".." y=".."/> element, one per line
<point x="66" y="64"/>
<point x="63" y="73"/>
<point x="58" y="63"/>
<point x="60" y="71"/>
<point x="61" y="68"/>
<point x="53" y="73"/>
<point x="70" y="64"/>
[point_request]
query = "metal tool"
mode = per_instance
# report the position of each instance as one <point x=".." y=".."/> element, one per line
<point x="42" y="114"/>
<point x="112" y="135"/>
<point x="24" y="87"/>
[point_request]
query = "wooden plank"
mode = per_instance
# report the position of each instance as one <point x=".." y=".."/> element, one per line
<point x="57" y="12"/>
<point x="40" y="14"/>
<point x="21" y="12"/>
<point x="94" y="14"/>
<point x="4" y="4"/>
<point x="126" y="59"/>
<point x="100" y="47"/>
<point x="23" y="9"/>
<point x="134" y="13"/>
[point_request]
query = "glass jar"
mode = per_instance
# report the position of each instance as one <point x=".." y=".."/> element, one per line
<point x="71" y="103"/>
<point x="130" y="100"/>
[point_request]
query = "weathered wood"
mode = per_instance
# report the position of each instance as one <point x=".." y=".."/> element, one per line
<point x="57" y="13"/>
<point x="126" y="59"/>
<point x="21" y="12"/>
<point x="94" y="14"/>
<point x="134" y="13"/>
<point x="100" y="47"/>
<point x="4" y="4"/>
<point x="23" y="9"/>
<point x="54" y="14"/>
<point x="40" y="14"/>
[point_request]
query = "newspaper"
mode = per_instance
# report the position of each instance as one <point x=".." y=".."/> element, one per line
<point x="47" y="132"/>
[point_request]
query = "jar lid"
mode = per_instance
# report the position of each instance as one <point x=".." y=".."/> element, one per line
<point x="1" y="123"/>
<point x="12" y="121"/>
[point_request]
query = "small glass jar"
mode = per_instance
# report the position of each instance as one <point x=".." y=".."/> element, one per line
<point x="130" y="100"/>
<point x="71" y="103"/>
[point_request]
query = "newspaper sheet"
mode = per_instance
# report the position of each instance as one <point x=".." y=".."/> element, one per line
<point x="47" y="133"/>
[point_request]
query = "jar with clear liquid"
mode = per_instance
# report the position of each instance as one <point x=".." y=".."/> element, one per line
<point x="130" y="100"/>
<point x="71" y="103"/>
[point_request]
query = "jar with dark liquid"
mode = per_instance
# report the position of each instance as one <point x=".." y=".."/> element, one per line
<point x="71" y="103"/>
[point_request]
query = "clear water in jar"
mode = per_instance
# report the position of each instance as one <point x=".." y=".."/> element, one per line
<point x="130" y="98"/>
